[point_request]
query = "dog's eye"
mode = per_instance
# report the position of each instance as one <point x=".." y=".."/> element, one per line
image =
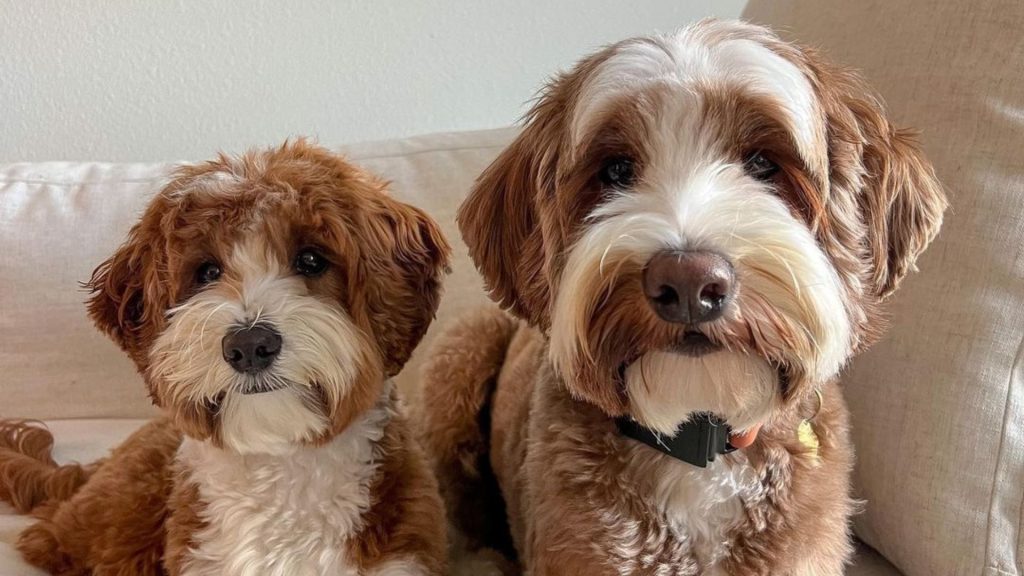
<point x="759" y="166"/>
<point x="310" y="263"/>
<point x="208" y="272"/>
<point x="618" y="172"/>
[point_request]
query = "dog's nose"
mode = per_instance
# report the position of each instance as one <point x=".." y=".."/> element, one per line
<point x="251" y="349"/>
<point x="688" y="287"/>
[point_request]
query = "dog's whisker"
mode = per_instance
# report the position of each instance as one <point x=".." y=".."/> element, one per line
<point x="202" y="330"/>
<point x="611" y="245"/>
<point x="256" y="319"/>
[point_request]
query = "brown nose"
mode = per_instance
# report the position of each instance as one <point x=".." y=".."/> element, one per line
<point x="688" y="287"/>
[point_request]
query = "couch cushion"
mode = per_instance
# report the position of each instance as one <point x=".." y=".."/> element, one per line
<point x="59" y="220"/>
<point x="938" y="406"/>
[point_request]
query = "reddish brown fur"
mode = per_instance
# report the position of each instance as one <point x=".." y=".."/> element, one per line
<point x="406" y="506"/>
<point x="183" y="525"/>
<point x="138" y="513"/>
<point x="457" y="443"/>
<point x="873" y="206"/>
<point x="28" y="474"/>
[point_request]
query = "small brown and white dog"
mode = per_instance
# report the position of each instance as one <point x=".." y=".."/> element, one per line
<point x="696" y="232"/>
<point x="266" y="299"/>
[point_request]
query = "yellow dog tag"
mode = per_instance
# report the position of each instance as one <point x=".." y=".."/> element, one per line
<point x="805" y="433"/>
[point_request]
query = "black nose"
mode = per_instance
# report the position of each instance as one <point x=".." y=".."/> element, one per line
<point x="688" y="287"/>
<point x="251" y="349"/>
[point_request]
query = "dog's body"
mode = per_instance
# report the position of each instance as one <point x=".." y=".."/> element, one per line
<point x="583" y="499"/>
<point x="702" y="222"/>
<point x="266" y="300"/>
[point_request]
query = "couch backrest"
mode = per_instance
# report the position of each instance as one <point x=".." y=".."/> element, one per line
<point x="59" y="220"/>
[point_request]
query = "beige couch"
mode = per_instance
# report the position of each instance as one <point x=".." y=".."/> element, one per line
<point x="938" y="406"/>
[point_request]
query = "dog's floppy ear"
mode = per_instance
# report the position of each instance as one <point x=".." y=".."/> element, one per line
<point x="899" y="196"/>
<point x="405" y="259"/>
<point x="903" y="202"/>
<point x="500" y="219"/>
<point x="130" y="294"/>
<point x="127" y="298"/>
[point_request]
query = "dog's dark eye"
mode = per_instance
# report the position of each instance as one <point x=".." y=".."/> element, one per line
<point x="618" y="172"/>
<point x="310" y="263"/>
<point x="208" y="272"/>
<point x="759" y="166"/>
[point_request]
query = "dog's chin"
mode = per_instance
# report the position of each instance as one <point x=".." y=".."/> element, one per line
<point x="270" y="418"/>
<point x="695" y="374"/>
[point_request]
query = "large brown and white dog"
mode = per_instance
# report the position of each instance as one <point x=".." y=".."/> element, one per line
<point x="266" y="299"/>
<point x="694" y="225"/>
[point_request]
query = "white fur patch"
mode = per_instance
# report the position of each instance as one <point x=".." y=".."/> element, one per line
<point x="286" y="514"/>
<point x="320" y="345"/>
<point x="696" y="507"/>
<point x="662" y="386"/>
<point x="702" y="505"/>
<point x="209" y="183"/>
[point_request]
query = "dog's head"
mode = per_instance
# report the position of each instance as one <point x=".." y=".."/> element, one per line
<point x="703" y="221"/>
<point x="265" y="298"/>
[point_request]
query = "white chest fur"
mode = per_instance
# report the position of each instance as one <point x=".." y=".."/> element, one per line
<point x="283" y="515"/>
<point x="703" y="505"/>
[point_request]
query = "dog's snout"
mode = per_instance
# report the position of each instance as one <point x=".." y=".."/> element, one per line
<point x="688" y="287"/>
<point x="251" y="349"/>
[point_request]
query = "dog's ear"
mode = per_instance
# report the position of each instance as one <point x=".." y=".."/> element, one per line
<point x="128" y="299"/>
<point x="500" y="219"/>
<point x="404" y="260"/>
<point x="901" y="200"/>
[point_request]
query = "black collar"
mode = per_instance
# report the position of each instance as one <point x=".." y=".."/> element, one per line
<point x="698" y="441"/>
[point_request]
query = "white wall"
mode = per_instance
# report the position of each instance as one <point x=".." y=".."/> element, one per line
<point x="124" y="80"/>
